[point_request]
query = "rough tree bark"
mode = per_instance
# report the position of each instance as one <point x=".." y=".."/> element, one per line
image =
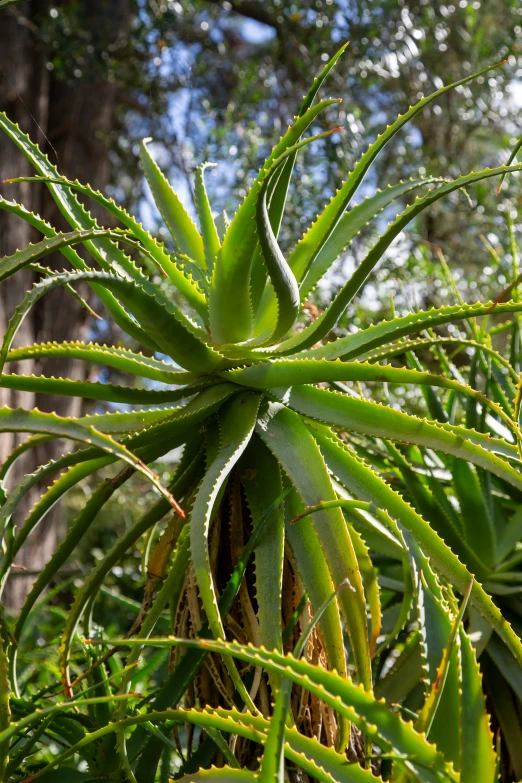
<point x="71" y="119"/>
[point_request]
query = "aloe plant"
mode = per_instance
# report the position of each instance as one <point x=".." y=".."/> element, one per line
<point x="477" y="515"/>
<point x="229" y="370"/>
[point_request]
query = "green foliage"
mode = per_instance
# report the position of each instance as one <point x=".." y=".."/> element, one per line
<point x="376" y="523"/>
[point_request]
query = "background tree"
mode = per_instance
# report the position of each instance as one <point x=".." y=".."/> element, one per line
<point x="59" y="82"/>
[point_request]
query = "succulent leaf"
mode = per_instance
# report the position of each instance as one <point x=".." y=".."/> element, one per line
<point x="286" y="435"/>
<point x="209" y="232"/>
<point x="178" y="221"/>
<point x="281" y="276"/>
<point x="177" y="273"/>
<point x="231" y="277"/>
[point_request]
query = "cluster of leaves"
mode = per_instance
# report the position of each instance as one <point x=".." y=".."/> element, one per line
<point x="213" y="80"/>
<point x="366" y="553"/>
<point x="233" y="85"/>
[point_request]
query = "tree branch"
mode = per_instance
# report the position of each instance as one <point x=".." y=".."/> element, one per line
<point x="251" y="10"/>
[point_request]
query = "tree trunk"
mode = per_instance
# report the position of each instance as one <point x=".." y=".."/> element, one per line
<point x="71" y="117"/>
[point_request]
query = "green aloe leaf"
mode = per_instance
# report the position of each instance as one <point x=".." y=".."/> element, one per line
<point x="318" y="234"/>
<point x="387" y="728"/>
<point x="170" y="590"/>
<point x="220" y="775"/>
<point x="178" y="221"/>
<point x="510" y="535"/>
<point x="5" y="710"/>
<point x="29" y="255"/>
<point x="376" y="335"/>
<point x="179" y="680"/>
<point x="211" y="240"/>
<point x="265" y="314"/>
<point x="92" y="390"/>
<point x="405" y="672"/>
<point x="53" y="494"/>
<point x="290" y="372"/>
<point x="313" y="569"/>
<point x="323" y="325"/>
<point x="257" y="462"/>
<point x="236" y="425"/>
<point x="280" y="274"/>
<point x="119" y="314"/>
<point x="76" y="532"/>
<point x="440" y="713"/>
<point x="478" y="527"/>
<point x="231" y="277"/>
<point x="277" y="202"/>
<point x="287" y="437"/>
<point x="173" y="430"/>
<point x="507" y="711"/>
<point x="272" y="763"/>
<point x="319" y="761"/>
<point x="359" y="415"/>
<point x="82" y="523"/>
<point x="351" y="223"/>
<point x="177" y="420"/>
<point x="178" y="274"/>
<point x="315" y="574"/>
<point x="403" y="346"/>
<point x="68" y="252"/>
<point x="429" y="709"/>
<point x="363" y="482"/>
<point x="105" y="252"/>
<point x="478" y="758"/>
<point x="189" y="471"/>
<point x="174" y="333"/>
<point x="277" y="205"/>
<point x="158" y="427"/>
<point x="371" y="585"/>
<point x="49" y="423"/>
<point x="43" y="227"/>
<point x="121" y="359"/>
<point x="506" y="663"/>
<point x="434" y="506"/>
<point x="512" y="156"/>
